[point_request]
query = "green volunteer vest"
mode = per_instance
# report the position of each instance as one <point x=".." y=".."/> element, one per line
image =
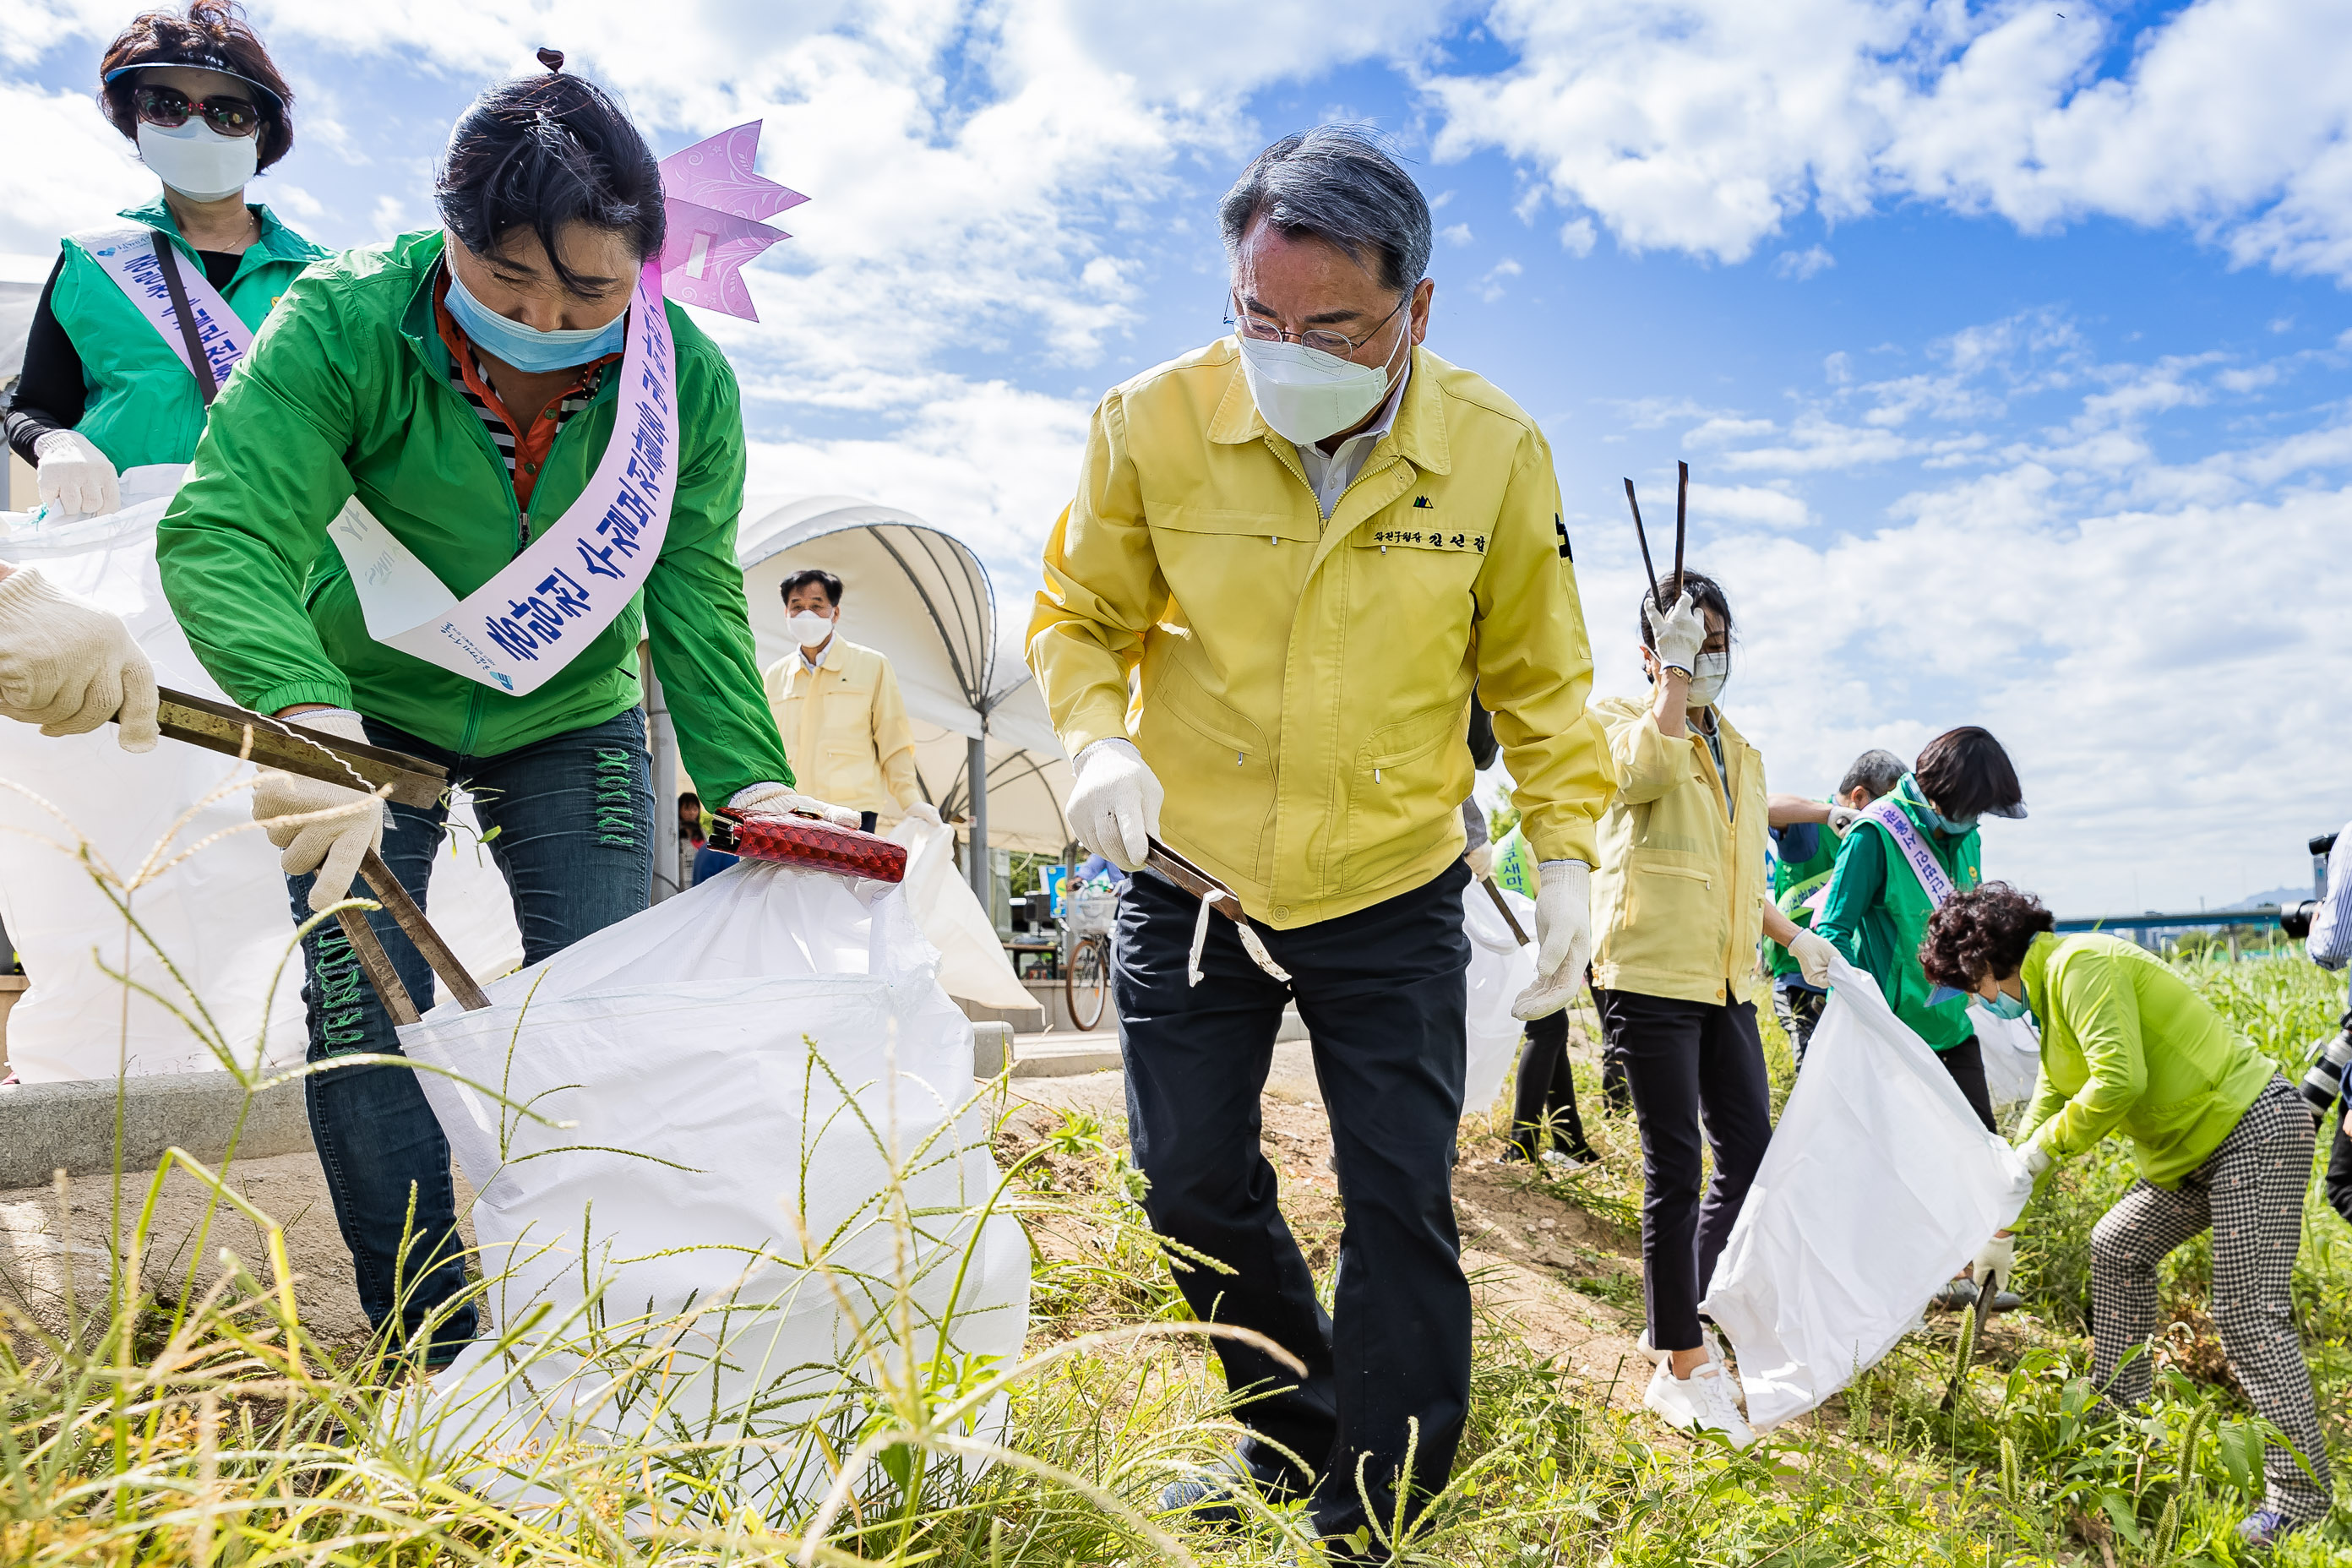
<point x="142" y="405"/>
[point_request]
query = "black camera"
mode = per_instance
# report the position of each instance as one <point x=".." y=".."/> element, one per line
<point x="2296" y="918"/>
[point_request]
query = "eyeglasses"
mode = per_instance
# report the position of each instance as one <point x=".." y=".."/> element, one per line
<point x="1321" y="339"/>
<point x="169" y="107"/>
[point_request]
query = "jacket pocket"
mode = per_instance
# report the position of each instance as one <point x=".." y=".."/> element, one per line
<point x="1408" y="778"/>
<point x="1217" y="767"/>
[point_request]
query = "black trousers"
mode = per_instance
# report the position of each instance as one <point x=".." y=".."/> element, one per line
<point x="2340" y="1168"/>
<point x="1545" y="1090"/>
<point x="1965" y="1062"/>
<point x="1682" y="1059"/>
<point x="1383" y="994"/>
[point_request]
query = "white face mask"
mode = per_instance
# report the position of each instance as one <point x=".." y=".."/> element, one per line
<point x="1306" y="394"/>
<point x="1707" y="681"/>
<point x="808" y="628"/>
<point x="198" y="161"/>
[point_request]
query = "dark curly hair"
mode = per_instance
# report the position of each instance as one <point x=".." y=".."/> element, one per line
<point x="1982" y="933"/>
<point x="211" y="35"/>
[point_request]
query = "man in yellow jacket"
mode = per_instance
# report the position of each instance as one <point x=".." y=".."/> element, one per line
<point x="1290" y="556"/>
<point x="839" y="705"/>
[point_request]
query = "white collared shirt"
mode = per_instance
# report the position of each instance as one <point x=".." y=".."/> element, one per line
<point x="1331" y="476"/>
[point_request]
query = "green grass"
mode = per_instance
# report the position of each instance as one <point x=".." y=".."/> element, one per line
<point x="166" y="1427"/>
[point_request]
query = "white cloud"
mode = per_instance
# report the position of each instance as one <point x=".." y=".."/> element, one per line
<point x="83" y="172"/>
<point x="1756" y="504"/>
<point x="1800" y="265"/>
<point x="1491" y="287"/>
<point x="1455" y="233"/>
<point x="1704" y="125"/>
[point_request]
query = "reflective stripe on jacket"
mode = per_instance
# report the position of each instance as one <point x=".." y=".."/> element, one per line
<point x="347" y="390"/>
<point x="143" y="404"/>
<point x="2126" y="1043"/>
<point x="846" y="727"/>
<point x="1302" y="687"/>
<point x="1678" y="895"/>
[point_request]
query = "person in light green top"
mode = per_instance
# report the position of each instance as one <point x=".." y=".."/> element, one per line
<point x="2222" y="1139"/>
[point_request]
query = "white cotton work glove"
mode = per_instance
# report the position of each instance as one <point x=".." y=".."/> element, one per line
<point x="1482" y="862"/>
<point x="68" y="666"/>
<point x="783" y="800"/>
<point x="1115" y="802"/>
<point x="1812" y="955"/>
<point x="74" y="476"/>
<point x="1563" y="938"/>
<point x="1995" y="1258"/>
<point x="2036" y="1155"/>
<point x="343" y="823"/>
<point x="1842" y="818"/>
<point x="1676" y="636"/>
<point x="924" y="811"/>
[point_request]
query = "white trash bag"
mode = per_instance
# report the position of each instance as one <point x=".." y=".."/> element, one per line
<point x="972" y="964"/>
<point x="1500" y="969"/>
<point x="737" y="1071"/>
<point x="222" y="916"/>
<point x="1879" y="1185"/>
<point x="2012" y="1057"/>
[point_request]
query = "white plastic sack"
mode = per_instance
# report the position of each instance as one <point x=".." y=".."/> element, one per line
<point x="222" y="916"/>
<point x="1879" y="1185"/>
<point x="1500" y="969"/>
<point x="2012" y="1057"/>
<point x="736" y="1068"/>
<point x="972" y="964"/>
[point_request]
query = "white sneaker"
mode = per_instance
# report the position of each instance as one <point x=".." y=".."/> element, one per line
<point x="1700" y="1401"/>
<point x="1711" y="1342"/>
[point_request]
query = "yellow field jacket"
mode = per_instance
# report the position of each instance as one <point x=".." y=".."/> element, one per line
<point x="1302" y="687"/>
<point x="1678" y="895"/>
<point x="844" y="727"/>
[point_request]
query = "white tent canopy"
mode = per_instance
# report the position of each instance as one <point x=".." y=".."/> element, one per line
<point x="921" y="597"/>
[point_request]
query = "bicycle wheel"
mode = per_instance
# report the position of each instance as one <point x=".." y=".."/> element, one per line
<point x="1085" y="984"/>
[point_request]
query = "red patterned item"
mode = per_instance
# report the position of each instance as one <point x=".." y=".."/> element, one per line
<point x="808" y="843"/>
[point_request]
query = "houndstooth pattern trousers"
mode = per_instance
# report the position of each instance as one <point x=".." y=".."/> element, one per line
<point x="2250" y="1192"/>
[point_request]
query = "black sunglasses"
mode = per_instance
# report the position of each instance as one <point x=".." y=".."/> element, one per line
<point x="169" y="107"/>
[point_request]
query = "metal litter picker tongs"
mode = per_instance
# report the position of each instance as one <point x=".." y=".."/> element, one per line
<point x="394" y="775"/>
<point x="1215" y="895"/>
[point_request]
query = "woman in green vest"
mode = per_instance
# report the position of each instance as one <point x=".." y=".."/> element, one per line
<point x="108" y="385"/>
<point x="1908" y="853"/>
<point x="2222" y="1139"/>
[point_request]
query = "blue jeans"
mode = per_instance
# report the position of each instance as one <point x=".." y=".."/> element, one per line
<point x="572" y="818"/>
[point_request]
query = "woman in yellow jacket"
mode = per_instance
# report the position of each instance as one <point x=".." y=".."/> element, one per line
<point x="1679" y="902"/>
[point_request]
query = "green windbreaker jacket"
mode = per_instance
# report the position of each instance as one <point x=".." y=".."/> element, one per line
<point x="2126" y="1043"/>
<point x="347" y="390"/>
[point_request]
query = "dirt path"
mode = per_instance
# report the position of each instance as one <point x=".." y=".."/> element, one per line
<point x="1565" y="1281"/>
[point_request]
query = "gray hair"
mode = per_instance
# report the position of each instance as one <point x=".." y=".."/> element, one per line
<point x="1338" y="184"/>
<point x="1875" y="771"/>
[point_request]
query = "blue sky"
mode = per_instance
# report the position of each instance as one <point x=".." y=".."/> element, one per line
<point x="2008" y="350"/>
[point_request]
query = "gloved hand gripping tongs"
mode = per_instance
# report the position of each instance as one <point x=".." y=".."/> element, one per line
<point x="1215" y="895"/>
<point x="407" y="781"/>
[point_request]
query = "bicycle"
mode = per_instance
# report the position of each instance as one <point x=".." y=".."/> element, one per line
<point x="1086" y="922"/>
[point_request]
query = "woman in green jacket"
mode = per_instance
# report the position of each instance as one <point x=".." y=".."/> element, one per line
<point x="109" y="380"/>
<point x="2221" y="1137"/>
<point x="1909" y="852"/>
<point x="533" y="460"/>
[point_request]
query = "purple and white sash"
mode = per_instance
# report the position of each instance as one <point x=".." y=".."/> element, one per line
<point x="131" y="257"/>
<point x="1933" y="879"/>
<point x="517" y="630"/>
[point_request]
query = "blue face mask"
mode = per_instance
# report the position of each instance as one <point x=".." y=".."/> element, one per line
<point x="2004" y="1006"/>
<point x="527" y="348"/>
<point x="1951" y="827"/>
